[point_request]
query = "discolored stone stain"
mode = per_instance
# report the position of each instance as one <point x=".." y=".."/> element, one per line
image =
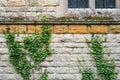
<point x="16" y="2"/>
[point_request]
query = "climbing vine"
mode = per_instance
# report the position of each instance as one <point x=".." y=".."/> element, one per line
<point x="87" y="73"/>
<point x="18" y="57"/>
<point x="105" y="67"/>
<point x="35" y="47"/>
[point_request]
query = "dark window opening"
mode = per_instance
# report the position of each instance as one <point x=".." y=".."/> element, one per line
<point x="105" y="3"/>
<point x="78" y="3"/>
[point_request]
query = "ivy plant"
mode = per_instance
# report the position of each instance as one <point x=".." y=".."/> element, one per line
<point x="105" y="68"/>
<point x="35" y="47"/>
<point x="44" y="75"/>
<point x="87" y="73"/>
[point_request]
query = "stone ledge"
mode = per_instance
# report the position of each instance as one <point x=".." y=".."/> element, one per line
<point x="63" y="29"/>
<point x="60" y="22"/>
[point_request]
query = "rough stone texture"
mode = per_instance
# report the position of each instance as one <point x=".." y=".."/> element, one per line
<point x="2" y="28"/>
<point x="26" y="10"/>
<point x="115" y="29"/>
<point x="77" y="29"/>
<point x="16" y="2"/>
<point x="98" y="29"/>
<point x="60" y="29"/>
<point x="32" y="10"/>
<point x="17" y="29"/>
<point x="62" y="64"/>
<point x="66" y="29"/>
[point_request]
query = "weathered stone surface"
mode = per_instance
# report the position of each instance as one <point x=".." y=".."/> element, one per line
<point x="82" y="37"/>
<point x="62" y="38"/>
<point x="4" y="64"/>
<point x="75" y="45"/>
<point x="16" y="2"/>
<point x="63" y="50"/>
<point x="4" y="51"/>
<point x="77" y="29"/>
<point x="4" y="57"/>
<point x="57" y="45"/>
<point x="17" y="29"/>
<point x="98" y="29"/>
<point x="60" y="29"/>
<point x="112" y="38"/>
<point x="3" y="3"/>
<point x="60" y="64"/>
<point x="2" y="28"/>
<point x="115" y="28"/>
<point x="2" y="39"/>
<point x="63" y="63"/>
<point x="33" y="28"/>
<point x="3" y="45"/>
<point x="65" y="76"/>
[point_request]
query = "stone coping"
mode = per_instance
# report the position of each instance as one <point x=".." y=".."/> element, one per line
<point x="60" y="22"/>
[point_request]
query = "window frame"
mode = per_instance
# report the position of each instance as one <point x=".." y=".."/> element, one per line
<point x="79" y="7"/>
<point x="63" y="9"/>
<point x="104" y="5"/>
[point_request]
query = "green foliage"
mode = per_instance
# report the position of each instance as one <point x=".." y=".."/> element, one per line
<point x="105" y="68"/>
<point x="18" y="57"/>
<point x="87" y="73"/>
<point x="35" y="47"/>
<point x="44" y="75"/>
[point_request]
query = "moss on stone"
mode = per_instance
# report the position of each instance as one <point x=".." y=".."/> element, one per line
<point x="97" y="18"/>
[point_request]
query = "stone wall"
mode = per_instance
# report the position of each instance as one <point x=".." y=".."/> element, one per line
<point x="31" y="10"/>
<point x="26" y="9"/>
<point x="69" y="44"/>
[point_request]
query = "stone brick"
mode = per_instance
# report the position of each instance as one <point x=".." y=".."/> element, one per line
<point x="33" y="28"/>
<point x="50" y="3"/>
<point x="67" y="38"/>
<point x="2" y="28"/>
<point x="4" y="64"/>
<point x="63" y="70"/>
<point x="75" y="45"/>
<point x="63" y="50"/>
<point x="115" y="50"/>
<point x="3" y="45"/>
<point x="1" y="70"/>
<point x="60" y="64"/>
<point x="16" y="2"/>
<point x="65" y="76"/>
<point x="38" y="28"/>
<point x="9" y="70"/>
<point x="118" y="38"/>
<point x="56" y="38"/>
<point x="4" y="51"/>
<point x="2" y="39"/>
<point x="112" y="38"/>
<point x="4" y="57"/>
<point x="62" y="58"/>
<point x="20" y="37"/>
<point x="3" y="3"/>
<point x="17" y="28"/>
<point x="30" y="29"/>
<point x="82" y="37"/>
<point x="2" y="35"/>
<point x="34" y="3"/>
<point x="62" y="38"/>
<point x="77" y="29"/>
<point x="115" y="28"/>
<point x="56" y="45"/>
<point x="112" y="44"/>
<point x="98" y="29"/>
<point x="60" y="29"/>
